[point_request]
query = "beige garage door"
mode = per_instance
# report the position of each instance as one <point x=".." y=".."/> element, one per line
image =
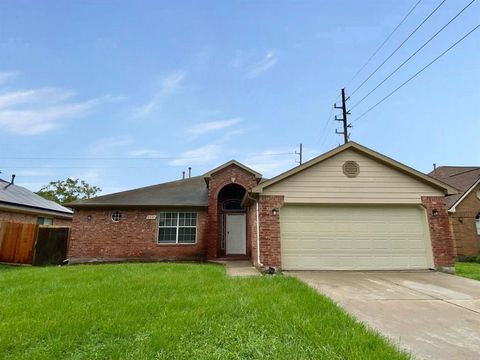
<point x="354" y="238"/>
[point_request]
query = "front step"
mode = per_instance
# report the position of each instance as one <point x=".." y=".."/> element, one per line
<point x="232" y="258"/>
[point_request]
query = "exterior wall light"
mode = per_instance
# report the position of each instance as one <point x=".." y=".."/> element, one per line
<point x="89" y="217"/>
<point x="274" y="212"/>
<point x="435" y="212"/>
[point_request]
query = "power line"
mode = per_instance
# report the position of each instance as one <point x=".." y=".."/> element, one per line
<point x="324" y="132"/>
<point x="398" y="47"/>
<point x="411" y="56"/>
<point x="383" y="43"/>
<point x="418" y="73"/>
<point x="129" y="158"/>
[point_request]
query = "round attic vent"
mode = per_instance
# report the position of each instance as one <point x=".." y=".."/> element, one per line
<point x="351" y="169"/>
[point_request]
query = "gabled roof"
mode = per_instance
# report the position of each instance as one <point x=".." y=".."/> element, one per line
<point x="365" y="151"/>
<point x="186" y="192"/>
<point x="464" y="178"/>
<point x="19" y="197"/>
<point x="233" y="162"/>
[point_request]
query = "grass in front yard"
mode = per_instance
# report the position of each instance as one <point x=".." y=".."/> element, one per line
<point x="172" y="311"/>
<point x="468" y="269"/>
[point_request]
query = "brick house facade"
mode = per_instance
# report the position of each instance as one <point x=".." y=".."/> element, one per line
<point x="227" y="193"/>
<point x="18" y="217"/>
<point x="465" y="226"/>
<point x="464" y="207"/>
<point x="95" y="237"/>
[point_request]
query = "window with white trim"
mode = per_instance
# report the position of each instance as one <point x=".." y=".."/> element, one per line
<point x="177" y="228"/>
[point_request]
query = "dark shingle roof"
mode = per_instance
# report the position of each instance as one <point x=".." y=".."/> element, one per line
<point x="186" y="192"/>
<point x="17" y="195"/>
<point x="460" y="177"/>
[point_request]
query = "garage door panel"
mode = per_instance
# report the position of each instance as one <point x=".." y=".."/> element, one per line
<point x="354" y="237"/>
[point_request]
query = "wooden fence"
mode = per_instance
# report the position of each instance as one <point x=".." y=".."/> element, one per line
<point x="33" y="244"/>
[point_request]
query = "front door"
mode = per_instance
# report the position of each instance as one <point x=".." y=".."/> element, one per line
<point x="236" y="234"/>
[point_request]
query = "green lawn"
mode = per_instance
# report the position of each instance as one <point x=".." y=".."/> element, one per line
<point x="468" y="269"/>
<point x="172" y="311"/>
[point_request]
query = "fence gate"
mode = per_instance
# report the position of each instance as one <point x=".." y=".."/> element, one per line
<point x="51" y="245"/>
<point x="33" y="244"/>
<point x="17" y="242"/>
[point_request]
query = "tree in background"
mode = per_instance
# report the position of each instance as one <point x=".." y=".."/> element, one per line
<point x="65" y="191"/>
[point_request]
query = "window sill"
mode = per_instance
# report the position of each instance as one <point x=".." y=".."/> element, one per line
<point x="176" y="244"/>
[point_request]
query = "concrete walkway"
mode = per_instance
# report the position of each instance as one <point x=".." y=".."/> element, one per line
<point x="432" y="315"/>
<point x="239" y="267"/>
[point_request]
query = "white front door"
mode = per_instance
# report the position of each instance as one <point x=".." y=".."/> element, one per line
<point x="235" y="234"/>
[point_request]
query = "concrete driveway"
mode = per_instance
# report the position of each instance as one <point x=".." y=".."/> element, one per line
<point x="432" y="315"/>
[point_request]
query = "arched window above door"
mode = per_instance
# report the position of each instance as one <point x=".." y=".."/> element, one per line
<point x="232" y="205"/>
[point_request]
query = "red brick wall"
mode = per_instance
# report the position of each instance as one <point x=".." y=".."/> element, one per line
<point x="133" y="237"/>
<point x="30" y="219"/>
<point x="467" y="241"/>
<point x="62" y="222"/>
<point x="217" y="181"/>
<point x="440" y="232"/>
<point x="18" y="218"/>
<point x="270" y="252"/>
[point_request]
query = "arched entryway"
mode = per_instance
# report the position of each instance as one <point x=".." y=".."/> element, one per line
<point x="232" y="220"/>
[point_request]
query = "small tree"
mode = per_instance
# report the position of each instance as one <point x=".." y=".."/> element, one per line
<point x="65" y="191"/>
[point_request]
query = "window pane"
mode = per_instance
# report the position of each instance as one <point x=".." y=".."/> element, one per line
<point x="44" y="221"/>
<point x="168" y="219"/>
<point x="232" y="205"/>
<point x="186" y="235"/>
<point x="167" y="235"/>
<point x="181" y="219"/>
<point x="187" y="219"/>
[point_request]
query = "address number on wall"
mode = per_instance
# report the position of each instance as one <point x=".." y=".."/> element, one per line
<point x="151" y="217"/>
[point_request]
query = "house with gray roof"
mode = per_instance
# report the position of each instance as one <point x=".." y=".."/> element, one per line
<point x="20" y="205"/>
<point x="350" y="208"/>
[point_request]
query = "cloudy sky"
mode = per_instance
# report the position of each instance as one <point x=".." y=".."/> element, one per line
<point x="126" y="94"/>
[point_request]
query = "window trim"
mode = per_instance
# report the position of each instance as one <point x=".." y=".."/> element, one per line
<point x="177" y="227"/>
<point x="118" y="213"/>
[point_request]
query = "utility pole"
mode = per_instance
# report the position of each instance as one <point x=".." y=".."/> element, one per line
<point x="300" y="154"/>
<point x="344" y="120"/>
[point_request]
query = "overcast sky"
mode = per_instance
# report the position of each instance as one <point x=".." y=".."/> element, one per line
<point x="197" y="83"/>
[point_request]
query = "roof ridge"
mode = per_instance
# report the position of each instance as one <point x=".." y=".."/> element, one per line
<point x="464" y="172"/>
<point x="458" y="166"/>
<point x="368" y="152"/>
<point x="140" y="188"/>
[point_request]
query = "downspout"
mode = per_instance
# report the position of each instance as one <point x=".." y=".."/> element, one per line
<point x="258" y="235"/>
<point x="258" y="229"/>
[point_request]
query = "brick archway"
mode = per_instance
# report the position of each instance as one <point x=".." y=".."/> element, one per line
<point x="231" y="174"/>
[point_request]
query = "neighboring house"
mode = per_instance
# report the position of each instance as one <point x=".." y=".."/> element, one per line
<point x="348" y="209"/>
<point x="20" y="205"/>
<point x="464" y="207"/>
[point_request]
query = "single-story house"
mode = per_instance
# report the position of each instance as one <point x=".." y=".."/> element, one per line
<point x="20" y="205"/>
<point x="464" y="207"/>
<point x="349" y="209"/>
